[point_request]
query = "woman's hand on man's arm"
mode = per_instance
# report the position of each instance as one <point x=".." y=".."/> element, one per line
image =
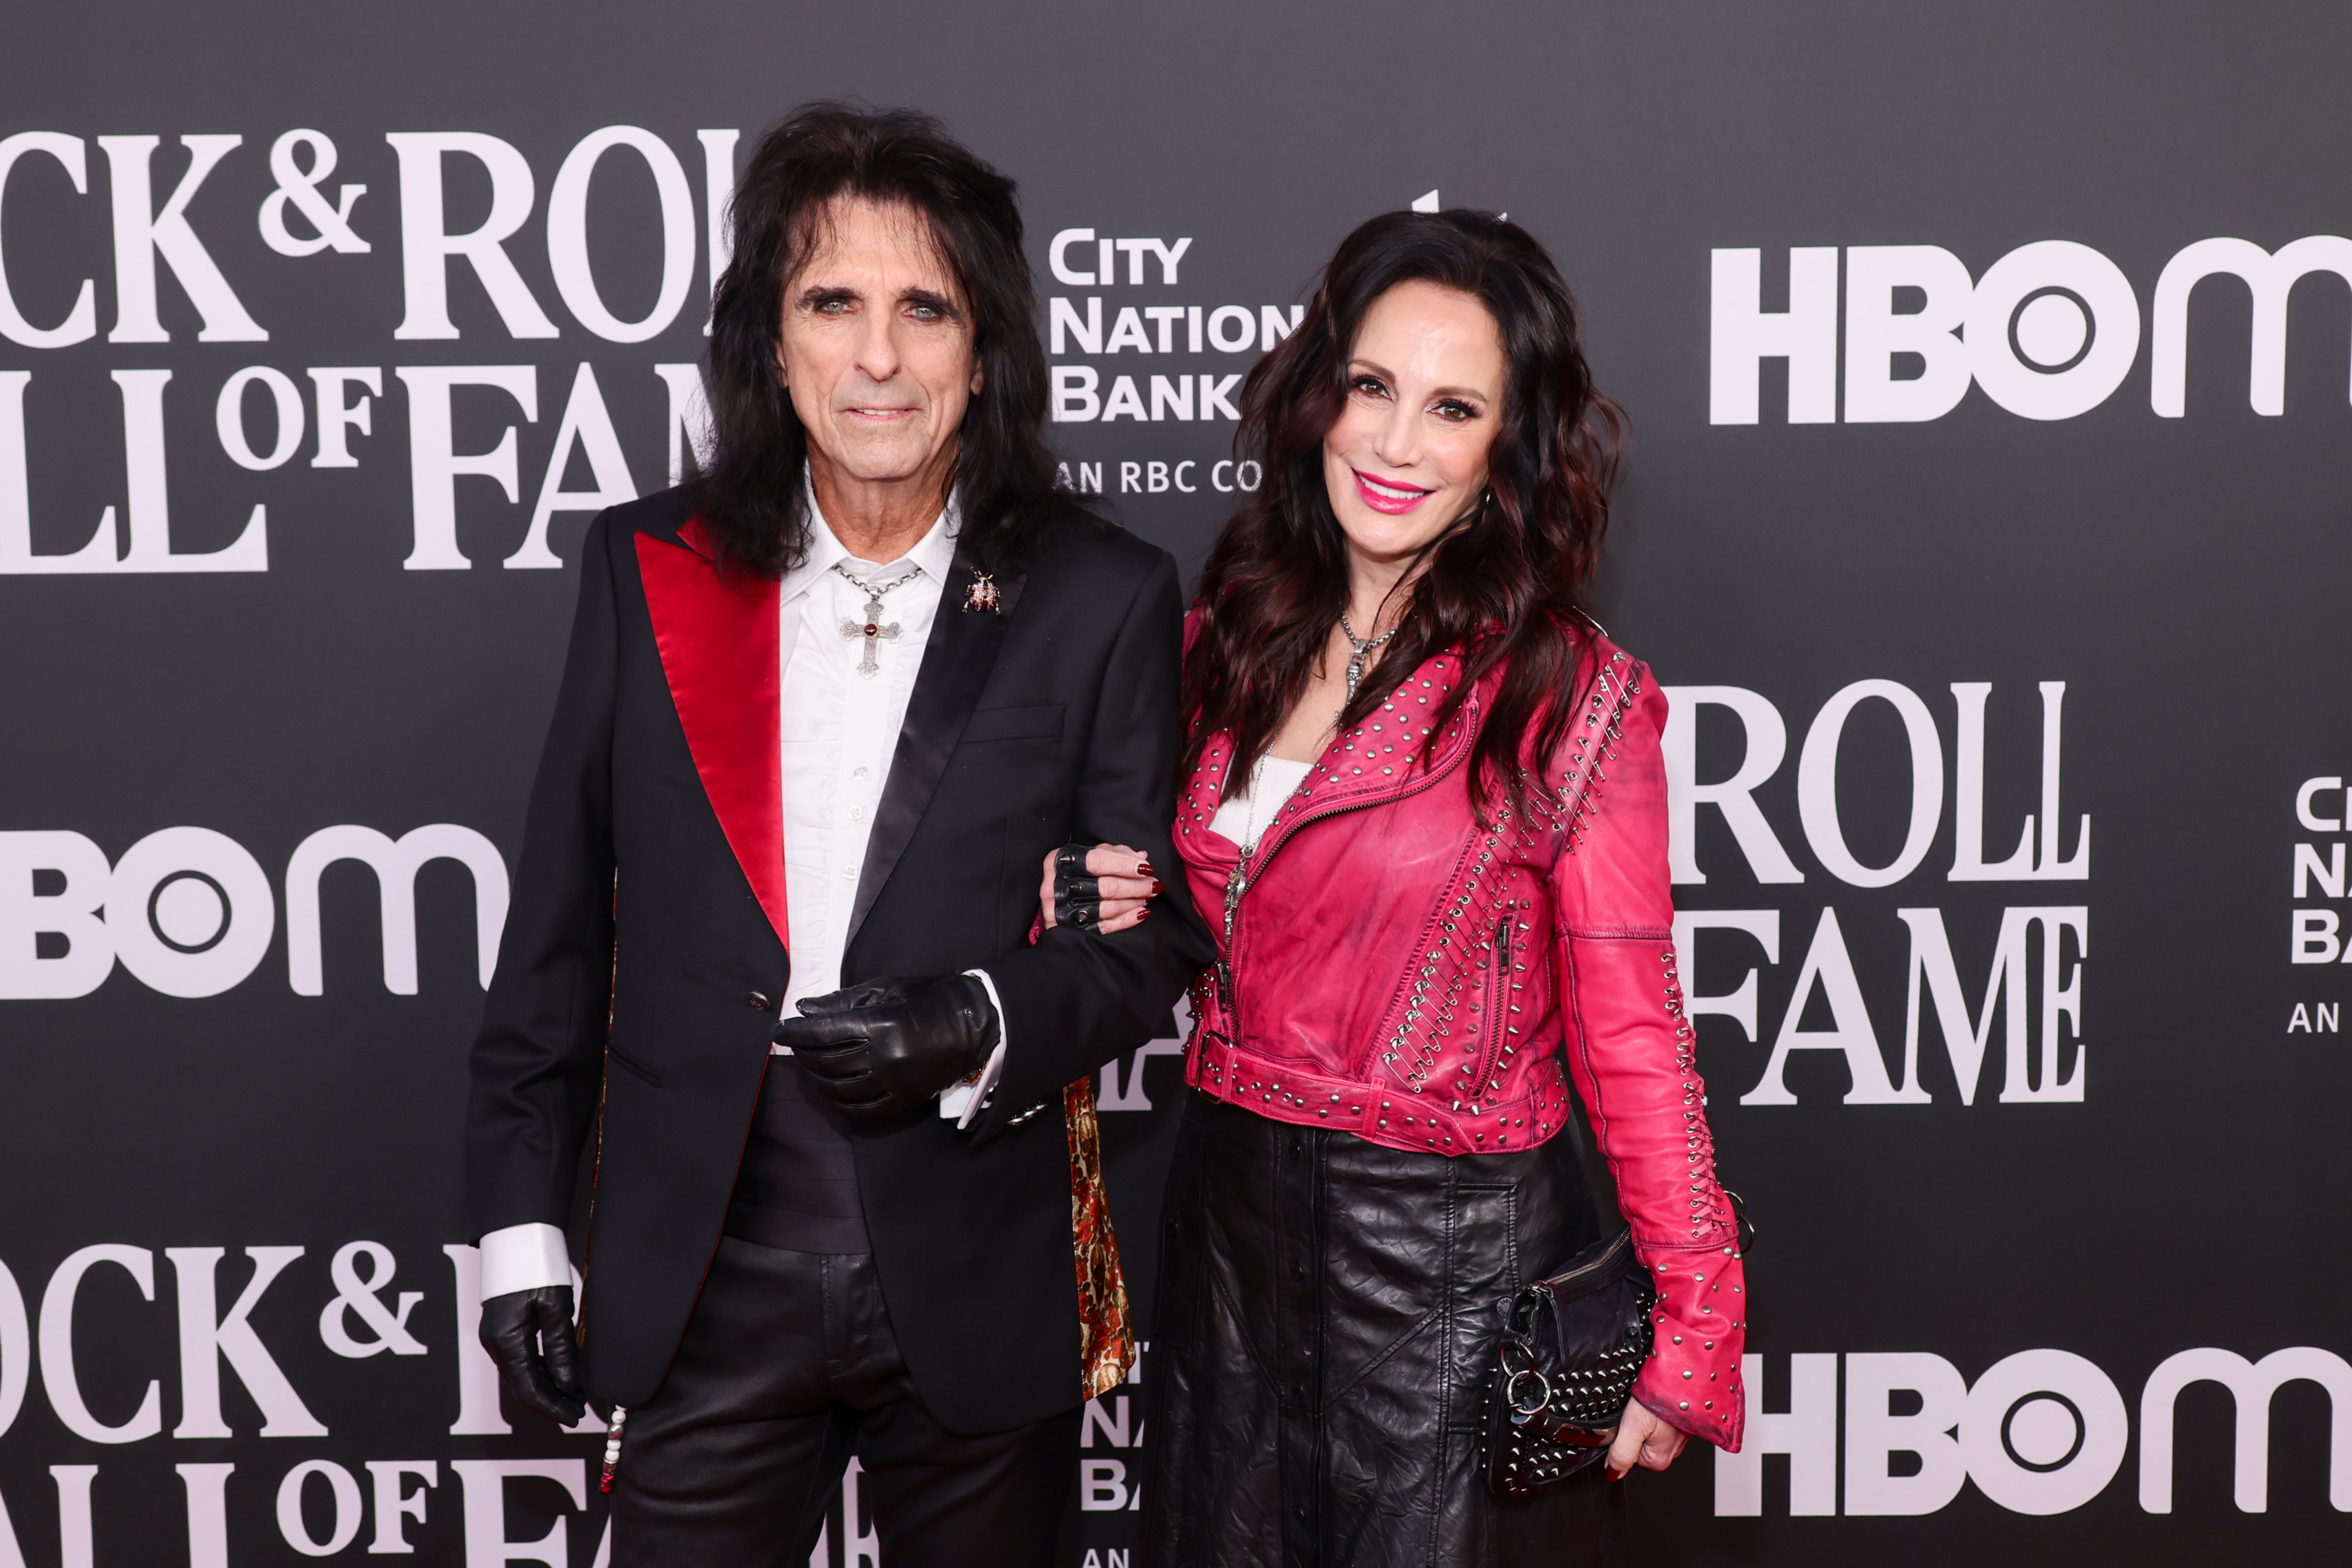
<point x="1113" y="892"/>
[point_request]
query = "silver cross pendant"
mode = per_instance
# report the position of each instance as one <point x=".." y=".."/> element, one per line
<point x="873" y="631"/>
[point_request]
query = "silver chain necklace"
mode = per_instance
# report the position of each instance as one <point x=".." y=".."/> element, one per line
<point x="1362" y="645"/>
<point x="871" y="628"/>
<point x="1251" y="831"/>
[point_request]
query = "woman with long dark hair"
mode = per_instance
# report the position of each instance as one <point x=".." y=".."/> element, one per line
<point x="1424" y="801"/>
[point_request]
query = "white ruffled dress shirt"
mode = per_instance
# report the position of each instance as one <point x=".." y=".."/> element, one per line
<point x="840" y="730"/>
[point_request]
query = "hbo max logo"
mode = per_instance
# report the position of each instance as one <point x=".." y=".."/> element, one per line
<point x="2040" y="1432"/>
<point x="190" y="911"/>
<point x="2049" y="330"/>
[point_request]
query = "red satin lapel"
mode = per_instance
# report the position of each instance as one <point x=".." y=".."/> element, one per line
<point x="719" y="653"/>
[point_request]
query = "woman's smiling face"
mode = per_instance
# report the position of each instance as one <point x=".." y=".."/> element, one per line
<point x="1406" y="459"/>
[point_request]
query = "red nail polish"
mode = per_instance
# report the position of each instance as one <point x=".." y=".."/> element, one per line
<point x="1157" y="887"/>
<point x="1143" y="867"/>
<point x="1143" y="913"/>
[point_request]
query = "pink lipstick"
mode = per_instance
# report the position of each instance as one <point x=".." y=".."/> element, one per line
<point x="1385" y="495"/>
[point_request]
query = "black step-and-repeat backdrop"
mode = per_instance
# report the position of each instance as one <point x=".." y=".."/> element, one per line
<point x="1986" y="519"/>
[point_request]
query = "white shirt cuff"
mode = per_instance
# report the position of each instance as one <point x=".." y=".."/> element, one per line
<point x="524" y="1257"/>
<point x="963" y="1100"/>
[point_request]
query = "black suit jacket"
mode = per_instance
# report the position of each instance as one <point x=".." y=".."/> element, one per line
<point x="651" y="892"/>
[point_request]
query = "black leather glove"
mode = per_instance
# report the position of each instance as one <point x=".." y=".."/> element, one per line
<point x="883" y="1047"/>
<point x="529" y="1334"/>
<point x="1077" y="897"/>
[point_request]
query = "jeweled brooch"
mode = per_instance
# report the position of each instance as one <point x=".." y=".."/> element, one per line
<point x="983" y="595"/>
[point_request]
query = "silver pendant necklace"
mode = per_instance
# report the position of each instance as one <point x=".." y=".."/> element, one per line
<point x="1362" y="645"/>
<point x="871" y="628"/>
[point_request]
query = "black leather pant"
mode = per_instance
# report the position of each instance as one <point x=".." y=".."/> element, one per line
<point x="1328" y="1311"/>
<point x="788" y="1367"/>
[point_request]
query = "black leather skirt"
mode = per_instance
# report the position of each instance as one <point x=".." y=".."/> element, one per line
<point x="1328" y="1309"/>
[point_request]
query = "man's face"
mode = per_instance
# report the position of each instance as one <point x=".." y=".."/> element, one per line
<point x="876" y="347"/>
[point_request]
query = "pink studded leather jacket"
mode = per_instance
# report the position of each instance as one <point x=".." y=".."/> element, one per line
<point x="1389" y="965"/>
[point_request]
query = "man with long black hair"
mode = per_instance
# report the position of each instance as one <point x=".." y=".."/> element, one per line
<point x="826" y="711"/>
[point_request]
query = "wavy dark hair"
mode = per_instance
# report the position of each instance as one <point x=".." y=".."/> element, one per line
<point x="1504" y="584"/>
<point x="748" y="490"/>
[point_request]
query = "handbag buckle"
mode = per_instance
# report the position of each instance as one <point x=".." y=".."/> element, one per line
<point x="1517" y="1357"/>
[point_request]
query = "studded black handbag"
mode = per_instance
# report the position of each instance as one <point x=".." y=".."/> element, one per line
<point x="1571" y="1348"/>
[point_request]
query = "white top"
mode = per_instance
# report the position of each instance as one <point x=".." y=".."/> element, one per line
<point x="840" y="730"/>
<point x="1247" y="814"/>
